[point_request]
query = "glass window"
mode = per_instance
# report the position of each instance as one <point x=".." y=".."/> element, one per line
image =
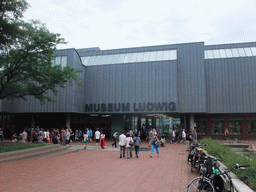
<point x="85" y="60"/>
<point x="140" y="57"/>
<point x="216" y="54"/>
<point x="217" y="127"/>
<point x="229" y="53"/>
<point x="57" y="60"/>
<point x="146" y="56"/>
<point x="235" y="52"/>
<point x="133" y="57"/>
<point x="121" y="58"/>
<point x="252" y="127"/>
<point x="115" y="59"/>
<point x="235" y="127"/>
<point x="159" y="55"/>
<point x="222" y="53"/>
<point x="92" y="60"/>
<point x="241" y="52"/>
<point x="109" y="59"/>
<point x="200" y="126"/>
<point x="52" y="61"/>
<point x="253" y="49"/>
<point x="248" y="51"/>
<point x="173" y="54"/>
<point x="104" y="59"/>
<point x="166" y="55"/>
<point x="97" y="60"/>
<point x="210" y="54"/>
<point x="152" y="56"/>
<point x="128" y="58"/>
<point x="64" y="61"/>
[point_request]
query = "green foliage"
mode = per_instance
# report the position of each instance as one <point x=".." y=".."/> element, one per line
<point x="12" y="146"/>
<point x="26" y="56"/>
<point x="230" y="158"/>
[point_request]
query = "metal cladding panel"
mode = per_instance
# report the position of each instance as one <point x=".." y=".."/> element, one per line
<point x="186" y="82"/>
<point x="191" y="78"/>
<point x="66" y="99"/>
<point x="140" y="86"/>
<point x="231" y="85"/>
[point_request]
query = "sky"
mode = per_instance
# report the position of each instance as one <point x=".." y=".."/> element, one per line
<point x="114" y="24"/>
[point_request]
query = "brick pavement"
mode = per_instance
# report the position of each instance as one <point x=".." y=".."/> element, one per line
<point x="100" y="170"/>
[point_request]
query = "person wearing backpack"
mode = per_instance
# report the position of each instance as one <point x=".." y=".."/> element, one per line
<point x="155" y="145"/>
<point x="137" y="142"/>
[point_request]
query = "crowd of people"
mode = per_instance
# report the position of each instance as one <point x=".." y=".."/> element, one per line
<point x="66" y="136"/>
<point x="62" y="136"/>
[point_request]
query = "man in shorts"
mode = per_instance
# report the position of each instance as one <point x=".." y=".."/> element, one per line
<point x="97" y="137"/>
<point x="183" y="136"/>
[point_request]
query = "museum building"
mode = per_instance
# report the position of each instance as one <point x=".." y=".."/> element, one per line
<point x="189" y="85"/>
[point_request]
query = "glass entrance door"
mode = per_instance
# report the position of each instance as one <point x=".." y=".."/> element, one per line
<point x="164" y="124"/>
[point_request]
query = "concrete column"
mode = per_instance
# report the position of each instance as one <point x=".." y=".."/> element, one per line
<point x="192" y="121"/>
<point x="68" y="120"/>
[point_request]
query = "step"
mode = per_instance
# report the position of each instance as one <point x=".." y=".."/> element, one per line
<point x="23" y="154"/>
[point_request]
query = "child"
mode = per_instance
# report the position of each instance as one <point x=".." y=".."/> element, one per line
<point x="85" y="140"/>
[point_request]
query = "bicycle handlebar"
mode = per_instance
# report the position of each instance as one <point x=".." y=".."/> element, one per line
<point x="244" y="165"/>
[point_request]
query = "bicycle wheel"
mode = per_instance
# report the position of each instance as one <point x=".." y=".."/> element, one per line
<point x="200" y="185"/>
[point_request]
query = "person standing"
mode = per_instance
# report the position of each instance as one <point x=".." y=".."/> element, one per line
<point x="85" y="140"/>
<point x="183" y="136"/>
<point x="68" y="137"/>
<point x="122" y="141"/>
<point x="102" y="140"/>
<point x="24" y="136"/>
<point x="76" y="135"/>
<point x="188" y="139"/>
<point x="1" y="135"/>
<point x="91" y="135"/>
<point x="128" y="141"/>
<point x="155" y="145"/>
<point x="173" y="136"/>
<point x="88" y="133"/>
<point x="97" y="137"/>
<point x="226" y="134"/>
<point x="64" y="137"/>
<point x="137" y="142"/>
<point x="115" y="139"/>
<point x="194" y="135"/>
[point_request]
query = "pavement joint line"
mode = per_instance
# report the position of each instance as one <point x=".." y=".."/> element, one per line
<point x="67" y="152"/>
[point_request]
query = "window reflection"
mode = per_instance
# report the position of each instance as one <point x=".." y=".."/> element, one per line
<point x="228" y="53"/>
<point x="130" y="57"/>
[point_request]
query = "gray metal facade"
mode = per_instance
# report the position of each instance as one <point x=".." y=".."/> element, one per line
<point x="231" y="82"/>
<point x="181" y="82"/>
<point x="190" y="84"/>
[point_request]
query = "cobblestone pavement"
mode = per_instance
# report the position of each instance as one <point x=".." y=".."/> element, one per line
<point x="100" y="170"/>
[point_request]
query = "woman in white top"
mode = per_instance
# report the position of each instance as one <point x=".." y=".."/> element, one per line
<point x="102" y="140"/>
<point x="128" y="146"/>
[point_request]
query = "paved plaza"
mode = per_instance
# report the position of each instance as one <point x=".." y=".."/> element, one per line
<point x="100" y="170"/>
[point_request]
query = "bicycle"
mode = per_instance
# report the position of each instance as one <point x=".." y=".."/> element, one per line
<point x="196" y="157"/>
<point x="208" y="183"/>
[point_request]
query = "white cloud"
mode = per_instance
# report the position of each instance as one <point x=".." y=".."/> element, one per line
<point x="112" y="24"/>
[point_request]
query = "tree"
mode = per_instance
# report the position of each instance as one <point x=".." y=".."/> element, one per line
<point x="26" y="56"/>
